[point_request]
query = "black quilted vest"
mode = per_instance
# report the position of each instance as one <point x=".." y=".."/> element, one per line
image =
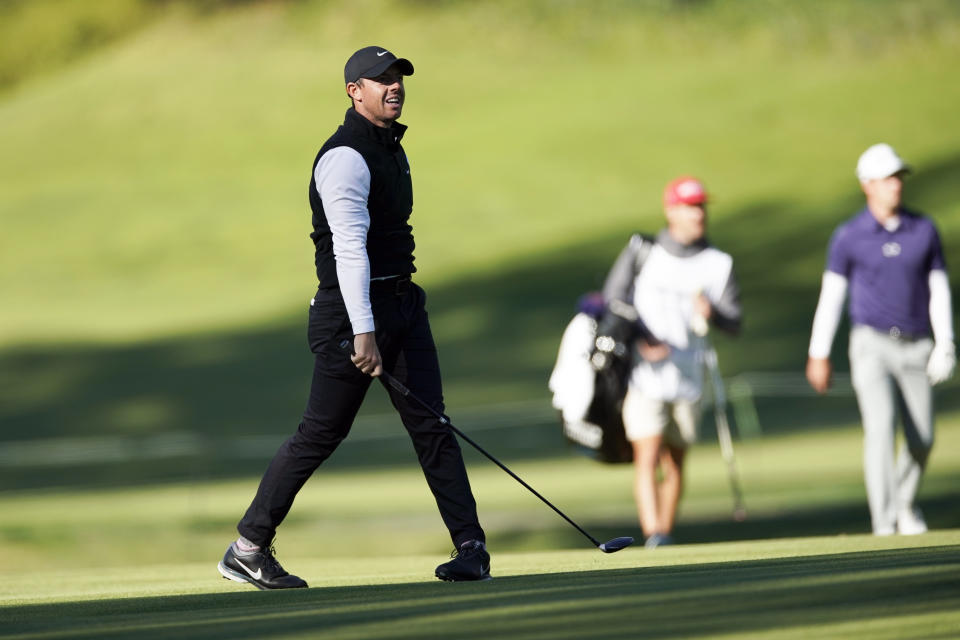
<point x="390" y="238"/>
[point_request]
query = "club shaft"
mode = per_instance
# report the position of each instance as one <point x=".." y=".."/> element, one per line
<point x="726" y="447"/>
<point x="723" y="427"/>
<point x="399" y="386"/>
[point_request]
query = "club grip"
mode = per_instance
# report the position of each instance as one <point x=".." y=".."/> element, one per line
<point x="396" y="384"/>
<point x="393" y="382"/>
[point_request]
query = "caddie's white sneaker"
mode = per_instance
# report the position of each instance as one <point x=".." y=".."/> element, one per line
<point x="910" y="522"/>
<point x="657" y="540"/>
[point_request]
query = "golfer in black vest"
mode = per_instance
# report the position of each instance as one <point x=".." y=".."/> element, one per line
<point x="366" y="317"/>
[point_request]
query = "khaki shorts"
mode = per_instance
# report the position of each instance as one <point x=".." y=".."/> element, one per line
<point x="676" y="421"/>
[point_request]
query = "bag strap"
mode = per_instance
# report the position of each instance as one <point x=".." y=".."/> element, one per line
<point x="646" y="246"/>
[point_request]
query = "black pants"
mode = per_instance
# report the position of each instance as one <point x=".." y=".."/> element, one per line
<point x="409" y="353"/>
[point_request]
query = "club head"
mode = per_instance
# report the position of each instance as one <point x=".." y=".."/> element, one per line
<point x="612" y="546"/>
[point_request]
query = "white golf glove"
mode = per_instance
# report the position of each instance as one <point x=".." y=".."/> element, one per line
<point x="943" y="360"/>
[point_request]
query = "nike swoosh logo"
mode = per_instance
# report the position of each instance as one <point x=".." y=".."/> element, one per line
<point x="255" y="576"/>
<point x="381" y="53"/>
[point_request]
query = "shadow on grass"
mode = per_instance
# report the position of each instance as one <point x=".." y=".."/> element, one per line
<point x="910" y="592"/>
<point x="497" y="332"/>
<point x="844" y="519"/>
<point x="836" y="519"/>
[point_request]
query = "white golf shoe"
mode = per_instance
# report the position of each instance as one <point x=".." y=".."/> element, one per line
<point x="910" y="522"/>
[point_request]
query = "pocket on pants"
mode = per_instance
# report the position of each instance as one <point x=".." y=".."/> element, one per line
<point x="328" y="325"/>
<point x="863" y="363"/>
<point x="917" y="356"/>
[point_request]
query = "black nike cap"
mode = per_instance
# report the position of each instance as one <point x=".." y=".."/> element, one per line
<point x="370" y="62"/>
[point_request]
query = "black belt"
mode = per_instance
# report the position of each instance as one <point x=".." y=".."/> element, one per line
<point x="898" y="334"/>
<point x="393" y="285"/>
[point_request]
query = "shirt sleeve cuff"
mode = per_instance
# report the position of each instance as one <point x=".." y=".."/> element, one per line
<point x="362" y="325"/>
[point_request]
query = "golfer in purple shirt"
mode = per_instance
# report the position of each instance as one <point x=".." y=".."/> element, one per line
<point x="891" y="262"/>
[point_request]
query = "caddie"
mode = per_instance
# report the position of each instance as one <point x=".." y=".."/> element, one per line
<point x="678" y="283"/>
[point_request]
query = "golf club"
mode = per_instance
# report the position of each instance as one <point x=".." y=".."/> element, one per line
<point x="610" y="546"/>
<point x="701" y="328"/>
<point x="723" y="431"/>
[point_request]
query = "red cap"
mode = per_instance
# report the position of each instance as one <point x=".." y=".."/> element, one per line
<point x="684" y="190"/>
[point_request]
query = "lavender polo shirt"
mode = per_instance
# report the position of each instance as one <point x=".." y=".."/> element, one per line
<point x="888" y="271"/>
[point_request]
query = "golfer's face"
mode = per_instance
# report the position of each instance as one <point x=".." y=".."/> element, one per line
<point x="886" y="192"/>
<point x="380" y="99"/>
<point x="687" y="222"/>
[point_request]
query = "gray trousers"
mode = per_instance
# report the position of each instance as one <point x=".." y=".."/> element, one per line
<point x="889" y="377"/>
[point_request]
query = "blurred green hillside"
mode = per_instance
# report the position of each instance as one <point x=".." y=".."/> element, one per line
<point x="155" y="263"/>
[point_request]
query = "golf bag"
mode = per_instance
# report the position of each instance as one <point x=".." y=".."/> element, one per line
<point x="612" y="360"/>
<point x="590" y="381"/>
<point x="593" y="366"/>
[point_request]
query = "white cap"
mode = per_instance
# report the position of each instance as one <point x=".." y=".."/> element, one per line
<point x="879" y="161"/>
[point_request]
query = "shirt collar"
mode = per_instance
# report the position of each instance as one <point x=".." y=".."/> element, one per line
<point x="388" y="136"/>
<point x="665" y="240"/>
<point x="867" y="222"/>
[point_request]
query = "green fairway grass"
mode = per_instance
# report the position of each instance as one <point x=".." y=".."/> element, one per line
<point x="795" y="485"/>
<point x="155" y="271"/>
<point x="856" y="587"/>
<point x="140" y="562"/>
<point x="172" y="166"/>
<point x="155" y="265"/>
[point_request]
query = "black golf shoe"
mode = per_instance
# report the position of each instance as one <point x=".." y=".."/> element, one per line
<point x="470" y="562"/>
<point x="259" y="568"/>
